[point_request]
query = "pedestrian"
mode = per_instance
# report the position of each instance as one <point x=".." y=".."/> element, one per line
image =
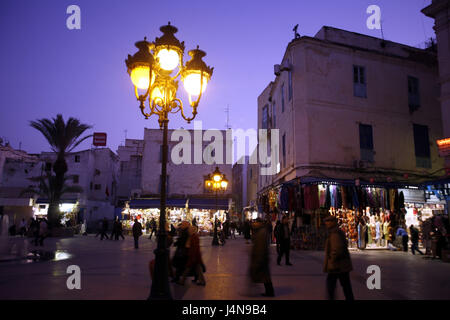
<point x="34" y="226"/>
<point x="285" y="241"/>
<point x="104" y="229"/>
<point x="23" y="227"/>
<point x="414" y="240"/>
<point x="137" y="232"/>
<point x="114" y="233"/>
<point x="99" y="228"/>
<point x="259" y="259"/>
<point x="83" y="229"/>
<point x="43" y="229"/>
<point x="233" y="230"/>
<point x="194" y="264"/>
<point x="173" y="230"/>
<point x="402" y="233"/>
<point x="269" y="230"/>
<point x="277" y="238"/>
<point x="338" y="263"/>
<point x="180" y="257"/>
<point x="246" y="230"/>
<point x="153" y="228"/>
<point x="120" y="230"/>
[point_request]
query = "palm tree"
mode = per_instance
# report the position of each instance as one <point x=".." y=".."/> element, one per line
<point x="47" y="189"/>
<point x="63" y="137"/>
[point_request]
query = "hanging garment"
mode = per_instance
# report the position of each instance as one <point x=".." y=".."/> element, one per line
<point x="377" y="230"/>
<point x="292" y="198"/>
<point x="369" y="234"/>
<point x="333" y="196"/>
<point x="284" y="198"/>
<point x="401" y="200"/>
<point x="392" y="199"/>
<point x="339" y="197"/>
<point x="322" y="196"/>
<point x="355" y="199"/>
<point x="396" y="201"/>
<point x="328" y="198"/>
<point x="344" y="197"/>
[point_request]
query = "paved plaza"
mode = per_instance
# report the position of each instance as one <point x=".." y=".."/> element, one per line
<point x="115" y="270"/>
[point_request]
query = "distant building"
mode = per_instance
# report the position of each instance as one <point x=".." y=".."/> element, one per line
<point x="240" y="171"/>
<point x="252" y="183"/>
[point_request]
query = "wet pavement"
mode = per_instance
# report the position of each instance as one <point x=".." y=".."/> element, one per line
<point x="115" y="270"/>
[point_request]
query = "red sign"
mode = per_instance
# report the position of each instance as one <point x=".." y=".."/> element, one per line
<point x="99" y="139"/>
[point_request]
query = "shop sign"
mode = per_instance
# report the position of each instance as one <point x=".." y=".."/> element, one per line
<point x="444" y="147"/>
<point x="99" y="139"/>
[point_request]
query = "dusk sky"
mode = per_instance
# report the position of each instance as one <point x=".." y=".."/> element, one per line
<point x="48" y="69"/>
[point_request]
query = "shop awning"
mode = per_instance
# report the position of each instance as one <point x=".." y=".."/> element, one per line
<point x="44" y="200"/>
<point x="156" y="203"/>
<point x="208" y="203"/>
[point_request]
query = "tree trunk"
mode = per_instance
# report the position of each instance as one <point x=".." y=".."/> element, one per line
<point x="60" y="169"/>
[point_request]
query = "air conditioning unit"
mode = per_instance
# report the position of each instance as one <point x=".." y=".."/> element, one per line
<point x="360" y="164"/>
<point x="285" y="66"/>
<point x="277" y="69"/>
<point x="136" y="193"/>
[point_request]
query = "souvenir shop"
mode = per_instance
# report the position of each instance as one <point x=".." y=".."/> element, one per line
<point x="204" y="211"/>
<point x="367" y="213"/>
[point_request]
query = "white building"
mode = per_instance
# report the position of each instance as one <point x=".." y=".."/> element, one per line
<point x="351" y="106"/>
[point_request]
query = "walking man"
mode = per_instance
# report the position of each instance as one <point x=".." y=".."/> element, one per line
<point x="137" y="232"/>
<point x="415" y="240"/>
<point x="337" y="260"/>
<point x="153" y="228"/>
<point x="285" y="241"/>
<point x="104" y="229"/>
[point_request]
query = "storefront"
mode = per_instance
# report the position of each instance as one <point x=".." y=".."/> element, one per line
<point x="204" y="211"/>
<point x="69" y="209"/>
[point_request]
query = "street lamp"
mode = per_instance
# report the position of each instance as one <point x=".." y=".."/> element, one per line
<point x="216" y="182"/>
<point x="156" y="69"/>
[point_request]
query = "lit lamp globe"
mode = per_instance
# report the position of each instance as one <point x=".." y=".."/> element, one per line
<point x="224" y="184"/>
<point x="196" y="74"/>
<point x="168" y="59"/>
<point x="139" y="65"/>
<point x="168" y="49"/>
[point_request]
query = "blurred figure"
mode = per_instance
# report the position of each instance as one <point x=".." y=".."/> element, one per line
<point x="180" y="257"/>
<point x="34" y="226"/>
<point x="269" y="230"/>
<point x="414" y="240"/>
<point x="246" y="230"/>
<point x="137" y="232"/>
<point x="120" y="230"/>
<point x="23" y="227"/>
<point x="233" y="230"/>
<point x="114" y="233"/>
<point x="285" y="241"/>
<point x="43" y="231"/>
<point x="277" y="238"/>
<point x="153" y="228"/>
<point x="338" y="263"/>
<point x="259" y="259"/>
<point x="83" y="229"/>
<point x="194" y="263"/>
<point x="104" y="229"/>
<point x="402" y="233"/>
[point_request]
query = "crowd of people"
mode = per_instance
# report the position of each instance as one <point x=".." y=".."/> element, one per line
<point x="36" y="228"/>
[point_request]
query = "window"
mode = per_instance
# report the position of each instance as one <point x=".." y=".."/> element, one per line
<point x="77" y="158"/>
<point x="274" y="115"/>
<point x="359" y="82"/>
<point x="282" y="97"/>
<point x="422" y="146"/>
<point x="290" y="85"/>
<point x="366" y="142"/>
<point x="413" y="94"/>
<point x="265" y="111"/>
<point x="284" y="150"/>
<point x="98" y="187"/>
<point x="76" y="179"/>
<point x="167" y="184"/>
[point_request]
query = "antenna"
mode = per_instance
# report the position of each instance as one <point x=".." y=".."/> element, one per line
<point x="227" y="111"/>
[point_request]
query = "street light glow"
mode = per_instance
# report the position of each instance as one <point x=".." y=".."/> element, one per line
<point x="168" y="59"/>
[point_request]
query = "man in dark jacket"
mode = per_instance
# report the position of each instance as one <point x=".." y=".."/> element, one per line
<point x="415" y="240"/>
<point x="285" y="241"/>
<point x="104" y="229"/>
<point x="337" y="260"/>
<point x="137" y="232"/>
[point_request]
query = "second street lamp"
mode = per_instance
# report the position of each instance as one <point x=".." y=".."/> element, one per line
<point x="155" y="69"/>
<point x="216" y="182"/>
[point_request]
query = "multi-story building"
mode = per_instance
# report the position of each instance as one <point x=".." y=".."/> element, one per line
<point x="351" y="106"/>
<point x="240" y="171"/>
<point x="96" y="171"/>
<point x="252" y="182"/>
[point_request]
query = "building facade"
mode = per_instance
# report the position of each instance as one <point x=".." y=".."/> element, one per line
<point x="350" y="106"/>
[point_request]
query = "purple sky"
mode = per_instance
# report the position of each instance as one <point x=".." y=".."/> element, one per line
<point x="48" y="69"/>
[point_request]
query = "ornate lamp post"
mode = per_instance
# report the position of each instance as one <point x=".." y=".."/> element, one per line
<point x="216" y="182"/>
<point x="155" y="69"/>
